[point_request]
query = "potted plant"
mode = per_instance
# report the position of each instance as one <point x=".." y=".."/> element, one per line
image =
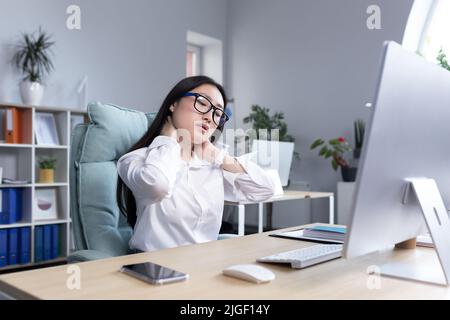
<point x="335" y="149"/>
<point x="360" y="129"/>
<point x="32" y="59"/>
<point x="261" y="120"/>
<point x="47" y="169"/>
<point x="442" y="60"/>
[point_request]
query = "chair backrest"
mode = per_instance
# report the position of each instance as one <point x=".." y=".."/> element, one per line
<point x="95" y="148"/>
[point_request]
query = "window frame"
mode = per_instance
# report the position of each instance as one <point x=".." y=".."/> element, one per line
<point x="197" y="50"/>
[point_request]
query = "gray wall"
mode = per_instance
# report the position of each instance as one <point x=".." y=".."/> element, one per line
<point x="317" y="62"/>
<point x="313" y="59"/>
<point x="132" y="51"/>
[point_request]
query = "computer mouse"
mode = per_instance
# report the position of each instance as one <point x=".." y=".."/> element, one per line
<point x="249" y="272"/>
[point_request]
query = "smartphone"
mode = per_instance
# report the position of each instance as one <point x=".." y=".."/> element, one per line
<point x="154" y="273"/>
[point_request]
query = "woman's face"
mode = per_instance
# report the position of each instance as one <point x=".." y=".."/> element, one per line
<point x="185" y="116"/>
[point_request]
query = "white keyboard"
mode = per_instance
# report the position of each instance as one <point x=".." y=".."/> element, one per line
<point x="305" y="257"/>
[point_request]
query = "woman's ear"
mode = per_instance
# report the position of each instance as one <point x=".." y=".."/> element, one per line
<point x="172" y="107"/>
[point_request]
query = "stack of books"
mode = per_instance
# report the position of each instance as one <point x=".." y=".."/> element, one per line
<point x="316" y="233"/>
<point x="325" y="233"/>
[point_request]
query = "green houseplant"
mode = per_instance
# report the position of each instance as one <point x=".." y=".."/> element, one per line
<point x="442" y="60"/>
<point x="32" y="59"/>
<point x="47" y="167"/>
<point x="359" y="131"/>
<point x="335" y="149"/>
<point x="262" y="121"/>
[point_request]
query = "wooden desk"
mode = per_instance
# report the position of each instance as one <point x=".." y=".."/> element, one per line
<point x="337" y="279"/>
<point x="288" y="195"/>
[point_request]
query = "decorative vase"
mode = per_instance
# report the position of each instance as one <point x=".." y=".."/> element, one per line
<point x="46" y="175"/>
<point x="31" y="92"/>
<point x="349" y="173"/>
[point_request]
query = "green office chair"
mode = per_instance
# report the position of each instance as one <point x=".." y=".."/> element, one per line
<point x="99" y="230"/>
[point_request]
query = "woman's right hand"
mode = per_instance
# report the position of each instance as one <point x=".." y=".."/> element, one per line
<point x="169" y="129"/>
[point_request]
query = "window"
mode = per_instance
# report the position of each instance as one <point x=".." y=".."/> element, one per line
<point x="436" y="32"/>
<point x="193" y="60"/>
<point x="204" y="56"/>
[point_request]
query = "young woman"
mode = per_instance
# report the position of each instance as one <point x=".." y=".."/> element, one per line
<point x="174" y="180"/>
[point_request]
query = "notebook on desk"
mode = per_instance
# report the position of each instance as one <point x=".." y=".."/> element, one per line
<point x="322" y="234"/>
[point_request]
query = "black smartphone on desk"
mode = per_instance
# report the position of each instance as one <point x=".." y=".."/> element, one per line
<point x="153" y="273"/>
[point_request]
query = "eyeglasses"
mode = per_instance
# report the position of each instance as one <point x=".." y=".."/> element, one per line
<point x="204" y="105"/>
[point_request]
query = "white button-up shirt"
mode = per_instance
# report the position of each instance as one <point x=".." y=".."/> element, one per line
<point x="179" y="202"/>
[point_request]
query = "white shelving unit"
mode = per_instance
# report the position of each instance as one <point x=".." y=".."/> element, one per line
<point x="20" y="161"/>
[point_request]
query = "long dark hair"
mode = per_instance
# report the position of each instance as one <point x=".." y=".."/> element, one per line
<point x="124" y="196"/>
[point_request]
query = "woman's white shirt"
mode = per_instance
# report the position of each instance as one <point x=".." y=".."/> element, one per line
<point x="179" y="202"/>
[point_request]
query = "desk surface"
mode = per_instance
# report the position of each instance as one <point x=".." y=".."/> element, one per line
<point x="337" y="279"/>
<point x="290" y="195"/>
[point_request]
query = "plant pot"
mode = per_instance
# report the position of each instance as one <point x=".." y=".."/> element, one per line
<point x="349" y="173"/>
<point x="46" y="175"/>
<point x="31" y="92"/>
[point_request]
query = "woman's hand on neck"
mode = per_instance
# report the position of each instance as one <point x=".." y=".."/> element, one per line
<point x="169" y="130"/>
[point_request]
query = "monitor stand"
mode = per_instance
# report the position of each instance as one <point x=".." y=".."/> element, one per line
<point x="437" y="270"/>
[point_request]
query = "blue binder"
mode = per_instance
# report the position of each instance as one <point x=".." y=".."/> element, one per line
<point x="3" y="247"/>
<point x="11" y="209"/>
<point x="39" y="244"/>
<point x="12" y="246"/>
<point x="47" y="242"/>
<point x="24" y="245"/>
<point x="55" y="241"/>
<point x="3" y="213"/>
<point x="19" y="204"/>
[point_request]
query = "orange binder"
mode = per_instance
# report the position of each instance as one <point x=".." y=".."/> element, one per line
<point x="12" y="125"/>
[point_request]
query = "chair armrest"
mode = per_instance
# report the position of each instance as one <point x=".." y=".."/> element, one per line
<point x="87" y="255"/>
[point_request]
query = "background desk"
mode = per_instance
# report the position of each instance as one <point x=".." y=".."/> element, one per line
<point x="288" y="195"/>
<point x="337" y="279"/>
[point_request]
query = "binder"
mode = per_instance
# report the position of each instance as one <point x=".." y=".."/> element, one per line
<point x="47" y="242"/>
<point x="12" y="131"/>
<point x="38" y="243"/>
<point x="19" y="203"/>
<point x="3" y="214"/>
<point x="55" y="241"/>
<point x="24" y="245"/>
<point x="11" y="205"/>
<point x="12" y="246"/>
<point x="3" y="247"/>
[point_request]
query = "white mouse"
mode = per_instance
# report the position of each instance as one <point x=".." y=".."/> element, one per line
<point x="249" y="272"/>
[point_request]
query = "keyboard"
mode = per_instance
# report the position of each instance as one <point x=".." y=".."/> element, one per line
<point x="305" y="257"/>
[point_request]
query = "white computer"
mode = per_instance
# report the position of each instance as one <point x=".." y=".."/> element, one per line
<point x="275" y="155"/>
<point x="403" y="183"/>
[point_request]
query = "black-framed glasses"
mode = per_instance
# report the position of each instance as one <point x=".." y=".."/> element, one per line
<point x="203" y="105"/>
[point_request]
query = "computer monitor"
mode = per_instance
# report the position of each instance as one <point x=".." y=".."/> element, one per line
<point x="276" y="155"/>
<point x="405" y="155"/>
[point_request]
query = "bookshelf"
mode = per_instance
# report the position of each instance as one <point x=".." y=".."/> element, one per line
<point x="19" y="160"/>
